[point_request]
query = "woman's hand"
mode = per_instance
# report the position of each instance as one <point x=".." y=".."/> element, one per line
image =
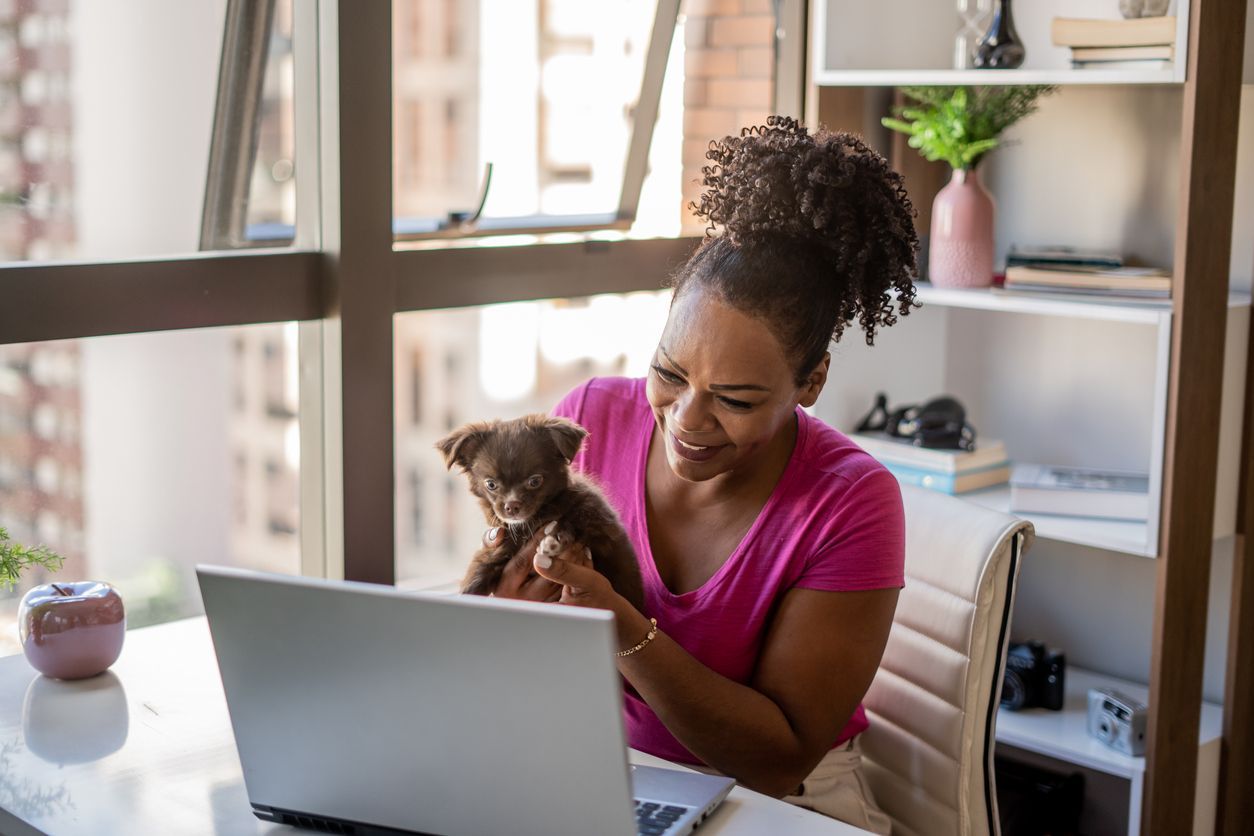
<point x="519" y="579"/>
<point x="562" y="572"/>
<point x="559" y="559"/>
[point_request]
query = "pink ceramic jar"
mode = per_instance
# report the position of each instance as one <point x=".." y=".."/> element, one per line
<point x="960" y="253"/>
<point x="72" y="630"/>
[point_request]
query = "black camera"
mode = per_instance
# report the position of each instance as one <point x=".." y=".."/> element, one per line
<point x="1034" y="677"/>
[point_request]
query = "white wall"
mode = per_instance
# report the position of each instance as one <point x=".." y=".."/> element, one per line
<point x="143" y="80"/>
<point x="156" y="407"/>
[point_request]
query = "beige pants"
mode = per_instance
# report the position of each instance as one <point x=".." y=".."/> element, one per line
<point x="837" y="788"/>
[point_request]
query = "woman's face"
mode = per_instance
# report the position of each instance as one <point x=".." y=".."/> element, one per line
<point x="722" y="388"/>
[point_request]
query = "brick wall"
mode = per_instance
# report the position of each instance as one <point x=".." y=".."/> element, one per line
<point x="728" y="79"/>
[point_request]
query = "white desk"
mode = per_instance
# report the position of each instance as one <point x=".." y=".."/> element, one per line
<point x="146" y="748"/>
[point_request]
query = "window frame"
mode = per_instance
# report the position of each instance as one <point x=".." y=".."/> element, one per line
<point x="344" y="276"/>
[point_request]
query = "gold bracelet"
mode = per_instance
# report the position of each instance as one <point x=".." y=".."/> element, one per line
<point x="652" y="635"/>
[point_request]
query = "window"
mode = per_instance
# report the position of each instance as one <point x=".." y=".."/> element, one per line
<point x="130" y="455"/>
<point x="510" y="360"/>
<point x="546" y="93"/>
<point x="157" y="129"/>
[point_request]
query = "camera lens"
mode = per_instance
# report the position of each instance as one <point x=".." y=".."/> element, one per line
<point x="1014" y="693"/>
<point x="1105" y="728"/>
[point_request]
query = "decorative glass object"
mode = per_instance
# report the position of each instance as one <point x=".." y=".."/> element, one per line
<point x="1000" y="48"/>
<point x="972" y="21"/>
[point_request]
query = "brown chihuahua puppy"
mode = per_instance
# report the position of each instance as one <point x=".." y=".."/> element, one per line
<point x="520" y="472"/>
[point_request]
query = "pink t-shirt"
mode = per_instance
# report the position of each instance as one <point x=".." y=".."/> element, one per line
<point x="834" y="522"/>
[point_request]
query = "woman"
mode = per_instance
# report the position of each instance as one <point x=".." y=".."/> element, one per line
<point x="770" y="545"/>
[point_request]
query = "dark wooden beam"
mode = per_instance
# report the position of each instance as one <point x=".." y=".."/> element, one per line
<point x="454" y="277"/>
<point x="57" y="301"/>
<point x="1202" y="251"/>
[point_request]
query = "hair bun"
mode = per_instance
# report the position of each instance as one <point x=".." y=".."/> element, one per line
<point x="808" y="221"/>
<point x="781" y="180"/>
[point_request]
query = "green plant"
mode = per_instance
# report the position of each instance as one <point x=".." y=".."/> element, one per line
<point x="14" y="557"/>
<point x="961" y="124"/>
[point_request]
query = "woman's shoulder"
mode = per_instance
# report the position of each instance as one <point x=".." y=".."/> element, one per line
<point x="829" y="454"/>
<point x="603" y="400"/>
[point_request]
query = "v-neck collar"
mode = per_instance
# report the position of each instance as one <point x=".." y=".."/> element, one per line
<point x="649" y="565"/>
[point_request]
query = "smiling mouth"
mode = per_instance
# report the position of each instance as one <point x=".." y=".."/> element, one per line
<point x="694" y="452"/>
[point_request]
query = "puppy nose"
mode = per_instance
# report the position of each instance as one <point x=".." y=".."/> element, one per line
<point x="512" y="507"/>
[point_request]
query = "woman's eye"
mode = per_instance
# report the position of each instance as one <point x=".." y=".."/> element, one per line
<point x="490" y="484"/>
<point x="535" y="482"/>
<point x="735" y="404"/>
<point x="669" y="377"/>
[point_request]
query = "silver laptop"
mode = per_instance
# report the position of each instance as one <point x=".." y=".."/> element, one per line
<point x="363" y="709"/>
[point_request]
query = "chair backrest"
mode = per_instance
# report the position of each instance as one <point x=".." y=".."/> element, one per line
<point x="932" y="707"/>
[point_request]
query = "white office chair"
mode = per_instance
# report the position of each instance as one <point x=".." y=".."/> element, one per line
<point x="928" y="753"/>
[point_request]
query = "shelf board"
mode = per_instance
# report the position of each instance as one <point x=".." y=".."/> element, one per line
<point x="1147" y="311"/>
<point x="1115" y="535"/>
<point x="1064" y="734"/>
<point x="986" y="78"/>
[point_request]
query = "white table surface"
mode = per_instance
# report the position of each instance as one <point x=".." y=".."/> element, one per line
<point x="146" y="748"/>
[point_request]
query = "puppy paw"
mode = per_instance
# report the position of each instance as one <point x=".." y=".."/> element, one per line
<point x="550" y="546"/>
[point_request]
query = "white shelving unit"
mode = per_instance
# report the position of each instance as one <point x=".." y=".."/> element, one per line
<point x="989" y="78"/>
<point x="1061" y="379"/>
<point x="920" y="50"/>
<point x="1063" y="735"/>
<point x="1127" y="537"/>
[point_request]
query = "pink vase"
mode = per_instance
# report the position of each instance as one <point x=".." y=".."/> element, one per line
<point x="960" y="253"/>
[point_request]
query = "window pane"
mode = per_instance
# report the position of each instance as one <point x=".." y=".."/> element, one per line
<point x="136" y="457"/>
<point x="542" y="89"/>
<point x="498" y="361"/>
<point x="272" y="188"/>
<point x="106" y="113"/>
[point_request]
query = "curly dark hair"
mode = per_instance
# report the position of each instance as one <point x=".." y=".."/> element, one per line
<point x="816" y="230"/>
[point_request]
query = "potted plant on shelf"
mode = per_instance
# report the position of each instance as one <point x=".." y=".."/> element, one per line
<point x="961" y="125"/>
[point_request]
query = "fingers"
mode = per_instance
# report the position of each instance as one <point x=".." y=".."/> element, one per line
<point x="493" y="537"/>
<point x="572" y="568"/>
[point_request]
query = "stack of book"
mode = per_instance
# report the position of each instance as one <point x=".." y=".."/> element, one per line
<point x="947" y="471"/>
<point x="1137" y="43"/>
<point x="1064" y="270"/>
<point x="1079" y="492"/>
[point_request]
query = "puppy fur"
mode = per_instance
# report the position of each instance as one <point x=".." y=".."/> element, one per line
<point x="520" y="472"/>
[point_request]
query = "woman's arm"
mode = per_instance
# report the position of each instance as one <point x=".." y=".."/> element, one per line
<point x="820" y="654"/>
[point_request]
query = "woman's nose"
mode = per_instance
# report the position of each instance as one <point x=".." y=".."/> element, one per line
<point x="690" y="413"/>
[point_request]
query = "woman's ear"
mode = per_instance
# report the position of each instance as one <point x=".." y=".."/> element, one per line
<point x="460" y="446"/>
<point x="566" y="434"/>
<point x="815" y="381"/>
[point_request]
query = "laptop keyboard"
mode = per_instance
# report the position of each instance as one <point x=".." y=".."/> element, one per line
<point x="653" y="819"/>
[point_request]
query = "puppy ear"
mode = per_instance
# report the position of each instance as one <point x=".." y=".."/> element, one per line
<point x="460" y="446"/>
<point x="566" y="434"/>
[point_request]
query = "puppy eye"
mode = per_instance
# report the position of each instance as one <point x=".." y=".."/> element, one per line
<point x="490" y="484"/>
<point x="535" y="482"/>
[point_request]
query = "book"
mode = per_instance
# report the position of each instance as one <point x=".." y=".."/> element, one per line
<point x="1140" y="31"/>
<point x="1079" y="492"/>
<point x="1089" y="293"/>
<point x="1115" y="278"/>
<point x="1122" y="53"/>
<point x="1148" y="64"/>
<point x="892" y="450"/>
<point x="951" y="483"/>
<point x="1061" y="256"/>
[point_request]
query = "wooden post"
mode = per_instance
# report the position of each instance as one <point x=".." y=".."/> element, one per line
<point x="1200" y="291"/>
